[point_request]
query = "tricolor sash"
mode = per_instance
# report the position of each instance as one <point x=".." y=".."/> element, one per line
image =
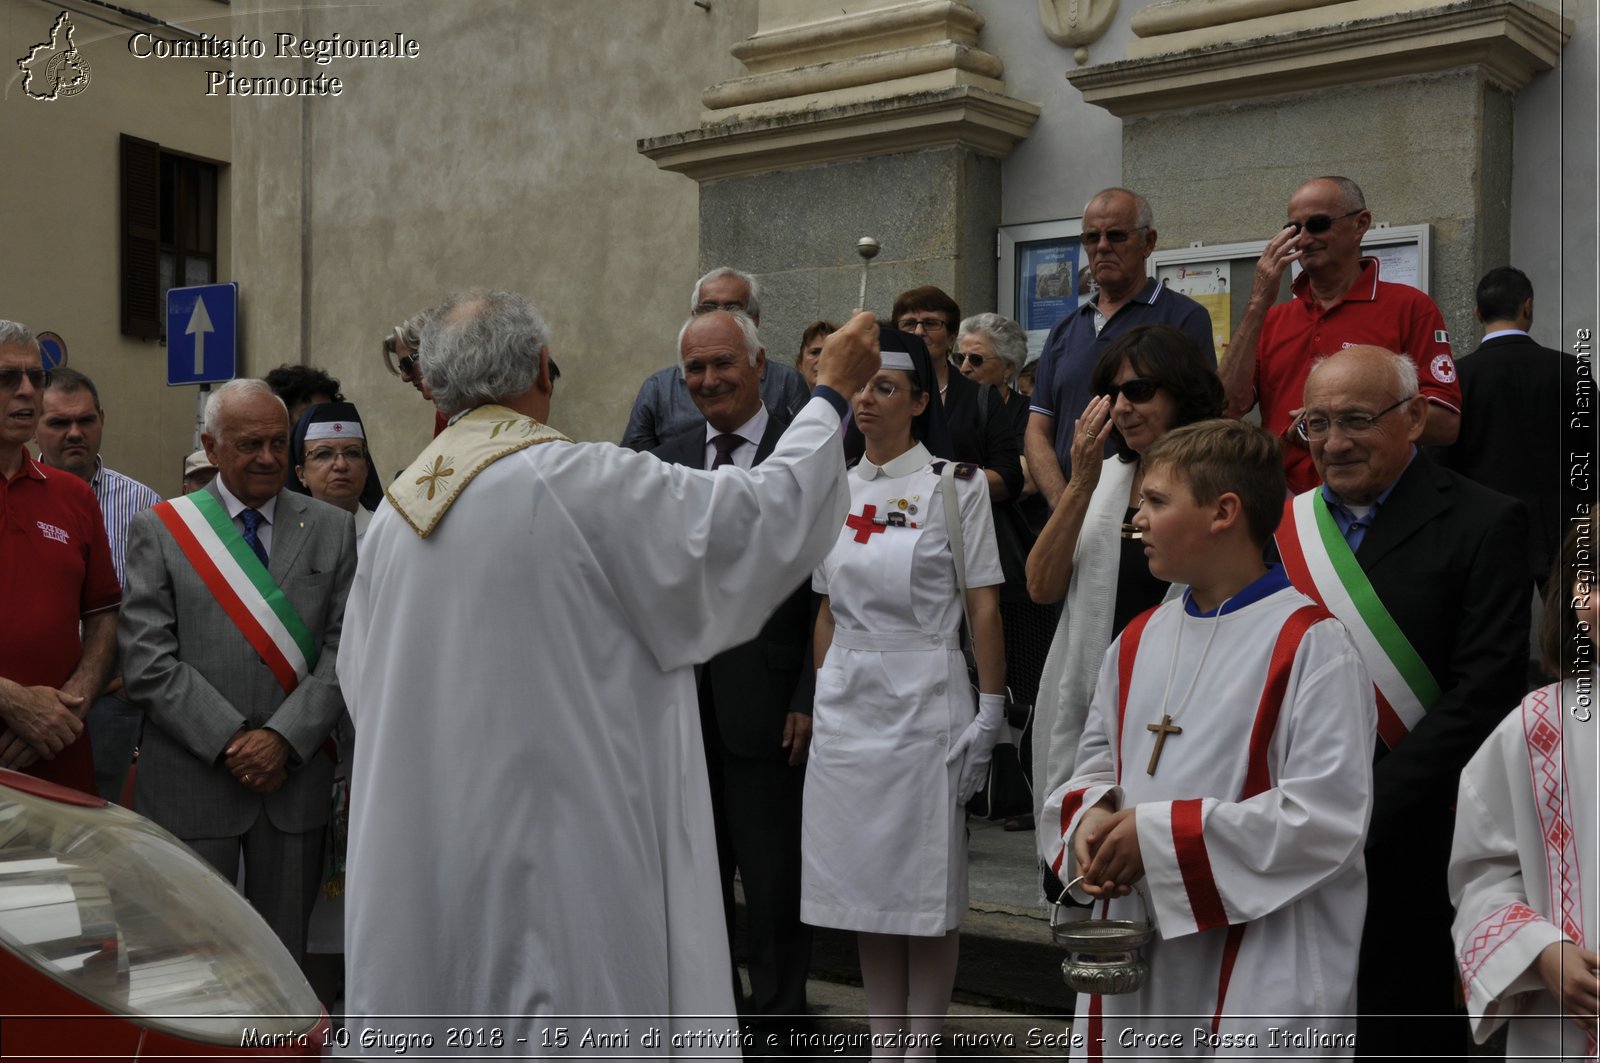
<point x="1321" y="565"/>
<point x="241" y="584"/>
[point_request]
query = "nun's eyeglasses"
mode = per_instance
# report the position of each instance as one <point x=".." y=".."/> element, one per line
<point x="881" y="388"/>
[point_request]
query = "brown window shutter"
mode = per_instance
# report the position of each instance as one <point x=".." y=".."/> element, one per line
<point x="141" y="235"/>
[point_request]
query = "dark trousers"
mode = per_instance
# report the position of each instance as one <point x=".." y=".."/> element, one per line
<point x="1407" y="990"/>
<point x="113" y="725"/>
<point x="756" y="805"/>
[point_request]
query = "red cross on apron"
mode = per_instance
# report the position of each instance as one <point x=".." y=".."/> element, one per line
<point x="863" y="523"/>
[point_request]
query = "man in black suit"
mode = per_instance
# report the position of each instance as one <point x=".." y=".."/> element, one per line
<point x="755" y="699"/>
<point x="1517" y="404"/>
<point x="1434" y="547"/>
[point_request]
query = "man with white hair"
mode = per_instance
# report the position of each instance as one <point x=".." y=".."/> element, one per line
<point x="229" y="630"/>
<point x="663" y="408"/>
<point x="1424" y="567"/>
<point x="755" y="699"/>
<point x="557" y="869"/>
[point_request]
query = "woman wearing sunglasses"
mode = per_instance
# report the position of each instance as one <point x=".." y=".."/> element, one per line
<point x="1151" y="380"/>
<point x="896" y="747"/>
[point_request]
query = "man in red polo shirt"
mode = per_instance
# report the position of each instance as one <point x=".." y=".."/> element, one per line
<point x="1338" y="301"/>
<point x="55" y="559"/>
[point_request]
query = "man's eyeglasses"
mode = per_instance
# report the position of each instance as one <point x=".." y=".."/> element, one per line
<point x="708" y="306"/>
<point x="328" y="455"/>
<point x="881" y="388"/>
<point x="1139" y="389"/>
<point x="927" y="324"/>
<point x="11" y="379"/>
<point x="1318" y="224"/>
<point x="1114" y="236"/>
<point x="1351" y="424"/>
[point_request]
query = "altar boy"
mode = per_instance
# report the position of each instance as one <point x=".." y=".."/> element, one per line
<point x="1224" y="779"/>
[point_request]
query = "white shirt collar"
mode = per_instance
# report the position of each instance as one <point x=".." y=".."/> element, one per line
<point x="903" y="465"/>
<point x="1497" y="333"/>
<point x="236" y="507"/>
<point x="751" y="431"/>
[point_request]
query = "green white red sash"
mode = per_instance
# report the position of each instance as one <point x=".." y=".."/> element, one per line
<point x="241" y="584"/>
<point x="1321" y="564"/>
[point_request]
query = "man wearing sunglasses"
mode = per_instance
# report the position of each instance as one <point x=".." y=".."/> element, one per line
<point x="1338" y="301"/>
<point x="57" y="560"/>
<point x="1118" y="237"/>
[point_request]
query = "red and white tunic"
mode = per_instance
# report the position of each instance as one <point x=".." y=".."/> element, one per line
<point x="1522" y="868"/>
<point x="1251" y="828"/>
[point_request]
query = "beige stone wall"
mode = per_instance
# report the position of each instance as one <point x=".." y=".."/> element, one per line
<point x="503" y="157"/>
<point x="59" y="185"/>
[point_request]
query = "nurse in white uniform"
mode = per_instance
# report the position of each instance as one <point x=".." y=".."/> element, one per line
<point x="896" y="747"/>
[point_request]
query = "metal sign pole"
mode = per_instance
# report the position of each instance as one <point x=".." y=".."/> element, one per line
<point x="200" y="413"/>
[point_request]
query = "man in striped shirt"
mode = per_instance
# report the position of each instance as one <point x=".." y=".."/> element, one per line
<point x="69" y="439"/>
<point x="68" y="435"/>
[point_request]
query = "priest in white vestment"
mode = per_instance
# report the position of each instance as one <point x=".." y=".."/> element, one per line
<point x="531" y="847"/>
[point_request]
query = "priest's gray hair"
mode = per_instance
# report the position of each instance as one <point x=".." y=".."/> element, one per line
<point x="747" y="327"/>
<point x="1010" y="342"/>
<point x="481" y="346"/>
<point x="15" y="332"/>
<point x="752" y="304"/>
<point x="232" y="391"/>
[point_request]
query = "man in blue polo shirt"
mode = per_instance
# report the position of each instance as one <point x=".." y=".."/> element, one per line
<point x="1118" y="236"/>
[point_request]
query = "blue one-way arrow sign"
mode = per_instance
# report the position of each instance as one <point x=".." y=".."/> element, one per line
<point x="202" y="338"/>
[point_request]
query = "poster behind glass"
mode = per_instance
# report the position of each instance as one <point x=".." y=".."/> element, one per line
<point x="1047" y="285"/>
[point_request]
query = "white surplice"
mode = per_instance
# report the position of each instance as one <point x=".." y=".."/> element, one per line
<point x="1522" y="868"/>
<point x="1257" y="901"/>
<point x="530" y="834"/>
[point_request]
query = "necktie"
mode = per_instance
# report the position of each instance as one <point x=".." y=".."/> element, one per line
<point x="252" y="521"/>
<point x="726" y="444"/>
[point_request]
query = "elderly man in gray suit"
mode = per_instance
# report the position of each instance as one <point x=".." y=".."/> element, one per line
<point x="229" y="633"/>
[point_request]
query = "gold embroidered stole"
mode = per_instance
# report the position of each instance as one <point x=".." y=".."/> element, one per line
<point x="429" y="487"/>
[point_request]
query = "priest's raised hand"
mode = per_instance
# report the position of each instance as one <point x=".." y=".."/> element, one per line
<point x="850" y="356"/>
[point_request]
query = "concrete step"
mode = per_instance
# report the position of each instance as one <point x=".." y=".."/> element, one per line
<point x="1009" y="1000"/>
<point x="969" y="1029"/>
<point x="1007" y="963"/>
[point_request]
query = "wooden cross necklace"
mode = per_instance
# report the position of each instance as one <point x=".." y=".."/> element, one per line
<point x="1165" y="727"/>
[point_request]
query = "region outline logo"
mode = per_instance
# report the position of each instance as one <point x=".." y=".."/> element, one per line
<point x="64" y="73"/>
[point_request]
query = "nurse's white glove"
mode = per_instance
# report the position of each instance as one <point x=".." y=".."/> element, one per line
<point x="976" y="744"/>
